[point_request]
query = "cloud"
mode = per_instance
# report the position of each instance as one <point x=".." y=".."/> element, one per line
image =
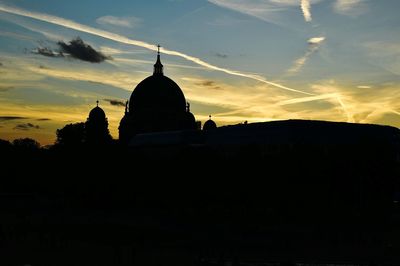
<point x="6" y="88"/>
<point x="46" y="51"/>
<point x="77" y="48"/>
<point x="384" y="54"/>
<point x="267" y="10"/>
<point x="122" y="39"/>
<point x="350" y="7"/>
<point x="306" y="9"/>
<point x="364" y="87"/>
<point x="263" y="10"/>
<point x="209" y="84"/>
<point x="26" y="126"/>
<point x="127" y="22"/>
<point x="115" y="102"/>
<point x="8" y="118"/>
<point x="316" y="40"/>
<point x="308" y="99"/>
<point x="43" y="119"/>
<point x="221" y="55"/>
<point x="313" y="46"/>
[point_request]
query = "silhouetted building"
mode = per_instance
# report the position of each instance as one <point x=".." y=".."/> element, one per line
<point x="157" y="104"/>
<point x="209" y="124"/>
<point x="96" y="127"/>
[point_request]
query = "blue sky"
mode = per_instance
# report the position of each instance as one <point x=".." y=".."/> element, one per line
<point x="254" y="60"/>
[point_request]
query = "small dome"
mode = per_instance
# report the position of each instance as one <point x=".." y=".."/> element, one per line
<point x="157" y="92"/>
<point x="97" y="114"/>
<point x="209" y="124"/>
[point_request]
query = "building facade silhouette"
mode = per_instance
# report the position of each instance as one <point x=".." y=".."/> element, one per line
<point x="157" y="104"/>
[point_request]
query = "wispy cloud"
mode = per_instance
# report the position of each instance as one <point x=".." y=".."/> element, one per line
<point x="127" y="22"/>
<point x="209" y="84"/>
<point x="313" y="46"/>
<point x="364" y="87"/>
<point x="306" y="9"/>
<point x="122" y="39"/>
<point x="350" y="7"/>
<point x="384" y="54"/>
<point x="6" y="88"/>
<point x="221" y="55"/>
<point x="26" y="126"/>
<point x="267" y="10"/>
<point x="264" y="10"/>
<point x="329" y="103"/>
<point x="9" y="118"/>
<point x="115" y="102"/>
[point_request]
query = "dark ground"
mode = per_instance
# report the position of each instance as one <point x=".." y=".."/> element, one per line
<point x="197" y="205"/>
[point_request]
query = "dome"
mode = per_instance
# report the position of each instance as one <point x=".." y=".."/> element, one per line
<point x="157" y="104"/>
<point x="97" y="114"/>
<point x="157" y="92"/>
<point x="209" y="124"/>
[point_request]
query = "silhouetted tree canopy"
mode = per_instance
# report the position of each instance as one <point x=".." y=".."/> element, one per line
<point x="5" y="145"/>
<point x="26" y="144"/>
<point x="71" y="135"/>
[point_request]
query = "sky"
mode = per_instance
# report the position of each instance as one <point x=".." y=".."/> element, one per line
<point x="237" y="60"/>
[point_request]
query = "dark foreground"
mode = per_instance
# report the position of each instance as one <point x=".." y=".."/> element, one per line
<point x="275" y="203"/>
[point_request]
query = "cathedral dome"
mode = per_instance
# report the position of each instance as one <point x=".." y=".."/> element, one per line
<point x="157" y="104"/>
<point x="97" y="113"/>
<point x="157" y="92"/>
<point x="209" y="124"/>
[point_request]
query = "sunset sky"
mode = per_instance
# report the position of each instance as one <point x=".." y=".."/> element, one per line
<point x="238" y="60"/>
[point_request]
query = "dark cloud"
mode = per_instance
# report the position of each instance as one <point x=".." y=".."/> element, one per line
<point x="43" y="67"/>
<point x="43" y="119"/>
<point x="209" y="84"/>
<point x="115" y="102"/>
<point x="221" y="55"/>
<point x="26" y="126"/>
<point x="8" y="118"/>
<point x="6" y="88"/>
<point x="77" y="48"/>
<point x="1" y="64"/>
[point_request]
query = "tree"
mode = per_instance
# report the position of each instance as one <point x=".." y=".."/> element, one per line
<point x="5" y="145"/>
<point x="71" y="135"/>
<point x="26" y="144"/>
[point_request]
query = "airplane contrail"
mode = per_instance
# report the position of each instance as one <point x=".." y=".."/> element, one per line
<point x="306" y="9"/>
<point x="313" y="46"/>
<point x="122" y="39"/>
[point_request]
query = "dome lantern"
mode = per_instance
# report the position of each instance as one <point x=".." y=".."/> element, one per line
<point x="158" y="67"/>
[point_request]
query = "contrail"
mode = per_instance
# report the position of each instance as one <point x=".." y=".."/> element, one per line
<point x="336" y="96"/>
<point x="122" y="39"/>
<point x="313" y="46"/>
<point x="306" y="9"/>
<point x="349" y="116"/>
<point x="309" y="99"/>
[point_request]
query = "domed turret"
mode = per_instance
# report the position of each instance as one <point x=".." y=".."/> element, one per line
<point x="209" y="124"/>
<point x="97" y="114"/>
<point x="96" y="127"/>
